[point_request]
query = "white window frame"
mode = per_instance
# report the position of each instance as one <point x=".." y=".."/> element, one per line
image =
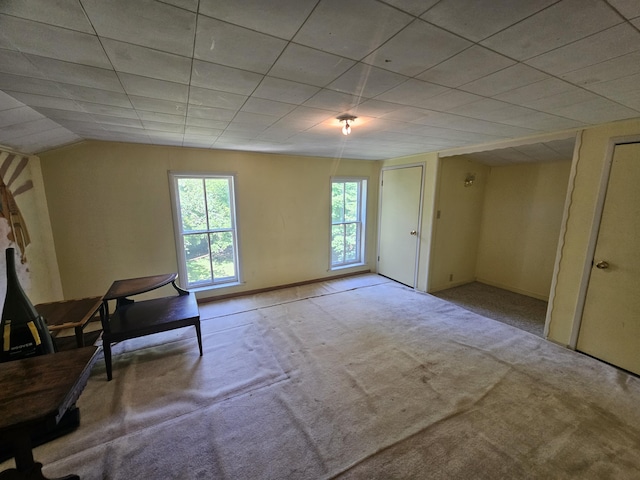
<point x="361" y="222"/>
<point x="174" y="177"/>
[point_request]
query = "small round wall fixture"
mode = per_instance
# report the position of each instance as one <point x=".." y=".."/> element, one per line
<point x="346" y="120"/>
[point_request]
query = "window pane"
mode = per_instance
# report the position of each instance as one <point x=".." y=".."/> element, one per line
<point x="196" y="248"/>
<point x="337" y="244"/>
<point x="218" y="203"/>
<point x="351" y="202"/>
<point x="337" y="202"/>
<point x="222" y="255"/>
<point x="351" y="243"/>
<point x="192" y="206"/>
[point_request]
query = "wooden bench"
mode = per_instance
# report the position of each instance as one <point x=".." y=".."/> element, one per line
<point x="136" y="319"/>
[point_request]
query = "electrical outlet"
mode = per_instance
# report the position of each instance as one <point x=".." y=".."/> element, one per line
<point x="451" y="277"/>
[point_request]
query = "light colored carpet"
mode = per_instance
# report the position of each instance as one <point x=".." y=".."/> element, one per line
<point x="360" y="378"/>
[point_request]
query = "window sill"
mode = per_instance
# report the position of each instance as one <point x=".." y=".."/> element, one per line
<point x="351" y="265"/>
<point x="218" y="286"/>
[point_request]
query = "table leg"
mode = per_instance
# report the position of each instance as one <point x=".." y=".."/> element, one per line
<point x="26" y="467"/>
<point x="79" y="337"/>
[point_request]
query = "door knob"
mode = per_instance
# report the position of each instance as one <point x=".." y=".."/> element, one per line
<point x="413" y="232"/>
<point x="602" y="265"/>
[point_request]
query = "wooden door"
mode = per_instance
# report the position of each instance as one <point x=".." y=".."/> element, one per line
<point x="401" y="191"/>
<point x="610" y="327"/>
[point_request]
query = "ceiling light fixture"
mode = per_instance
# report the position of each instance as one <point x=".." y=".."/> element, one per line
<point x="345" y="119"/>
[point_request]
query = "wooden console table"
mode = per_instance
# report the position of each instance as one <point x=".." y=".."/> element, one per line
<point x="136" y="319"/>
<point x="37" y="392"/>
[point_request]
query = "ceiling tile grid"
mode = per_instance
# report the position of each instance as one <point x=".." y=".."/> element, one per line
<point x="421" y="75"/>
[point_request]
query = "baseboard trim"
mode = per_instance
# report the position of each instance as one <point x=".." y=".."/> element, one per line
<point x="280" y="287"/>
<point x="514" y="290"/>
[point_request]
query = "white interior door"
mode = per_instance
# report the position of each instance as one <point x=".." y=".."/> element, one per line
<point x="610" y="327"/>
<point x="399" y="223"/>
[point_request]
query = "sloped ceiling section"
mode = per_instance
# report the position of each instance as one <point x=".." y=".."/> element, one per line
<point x="420" y="75"/>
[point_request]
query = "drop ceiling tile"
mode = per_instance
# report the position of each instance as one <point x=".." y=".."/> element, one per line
<point x="110" y="110"/>
<point x="401" y="55"/>
<point x="407" y="114"/>
<point x="62" y="13"/>
<point x="331" y="100"/>
<point x="602" y="46"/>
<point x="366" y="81"/>
<point x="544" y="122"/>
<point x="147" y="62"/>
<point x="46" y="140"/>
<point x="44" y="101"/>
<point x="309" y="66"/>
<point x="629" y="8"/>
<point x="17" y="63"/>
<point x="281" y="19"/>
<point x="609" y="70"/>
<point x="255" y="120"/>
<point x="75" y="74"/>
<point x="48" y="41"/>
<point x="478" y="19"/>
<point x="344" y="28"/>
<point x="7" y="102"/>
<point x="412" y="92"/>
<point x="552" y="103"/>
<point x="267" y="107"/>
<point x="160" y="117"/>
<point x="18" y="115"/>
<point x="207" y="123"/>
<point x="558" y="25"/>
<point x="16" y="83"/>
<point x="210" y="113"/>
<point x="215" y="98"/>
<point x="66" y="115"/>
<point x="144" y="22"/>
<point x="598" y="110"/>
<point x="233" y="46"/>
<point x="32" y="127"/>
<point x="159" y="106"/>
<point x="482" y="108"/>
<point x="284" y="90"/>
<point x="376" y="108"/>
<point x="414" y="7"/>
<point x="201" y="131"/>
<point x="449" y="100"/>
<point x="191" y="5"/>
<point x="308" y="114"/>
<point x="152" y="88"/>
<point x="499" y="82"/>
<point x="611" y="88"/>
<point x="93" y="95"/>
<point x="467" y="66"/>
<point x="163" y="127"/>
<point x="226" y="79"/>
<point x="111" y="120"/>
<point x="535" y="91"/>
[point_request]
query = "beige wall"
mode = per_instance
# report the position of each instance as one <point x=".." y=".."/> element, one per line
<point x="111" y="213"/>
<point x="522" y="215"/>
<point x="564" y="308"/>
<point x="457" y="231"/>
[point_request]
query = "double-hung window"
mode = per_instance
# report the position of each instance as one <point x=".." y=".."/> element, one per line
<point x="205" y="226"/>
<point x="348" y="214"/>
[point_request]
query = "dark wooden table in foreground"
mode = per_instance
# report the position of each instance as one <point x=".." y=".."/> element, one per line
<point x="36" y="392"/>
<point x="136" y="319"/>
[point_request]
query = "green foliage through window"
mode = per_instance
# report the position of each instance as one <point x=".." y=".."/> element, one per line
<point x="207" y="228"/>
<point x="347" y="221"/>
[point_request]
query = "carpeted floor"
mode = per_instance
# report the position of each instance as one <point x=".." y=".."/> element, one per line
<point x="520" y="311"/>
<point x="359" y="378"/>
